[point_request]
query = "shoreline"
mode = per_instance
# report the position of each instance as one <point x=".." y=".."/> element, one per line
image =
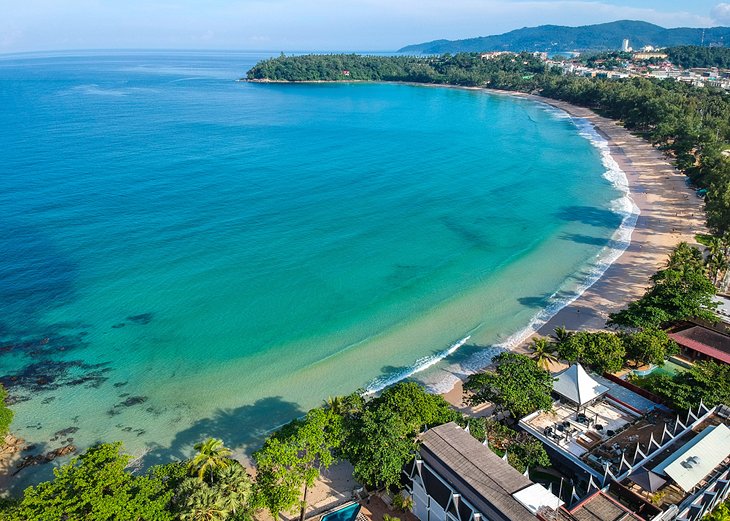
<point x="628" y="275"/>
<point x="669" y="213"/>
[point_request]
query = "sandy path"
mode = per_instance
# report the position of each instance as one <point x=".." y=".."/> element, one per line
<point x="670" y="214"/>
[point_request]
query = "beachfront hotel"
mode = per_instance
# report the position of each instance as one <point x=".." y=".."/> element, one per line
<point x="457" y="478"/>
<point x="630" y="459"/>
<point x="641" y="455"/>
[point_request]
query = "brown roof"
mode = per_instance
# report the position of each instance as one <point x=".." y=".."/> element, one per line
<point x="704" y="340"/>
<point x="598" y="507"/>
<point x="482" y="477"/>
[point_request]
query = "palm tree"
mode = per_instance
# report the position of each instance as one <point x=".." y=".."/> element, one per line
<point x="561" y="334"/>
<point x="234" y="488"/>
<point x="212" y="456"/>
<point x="345" y="405"/>
<point x="204" y="505"/>
<point x="716" y="260"/>
<point x="543" y="352"/>
<point x="335" y="404"/>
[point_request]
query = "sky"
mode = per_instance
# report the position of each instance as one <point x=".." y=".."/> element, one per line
<point x="312" y="25"/>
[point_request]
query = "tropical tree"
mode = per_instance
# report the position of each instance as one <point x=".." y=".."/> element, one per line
<point x="543" y="352"/>
<point x="379" y="446"/>
<point x="716" y="256"/>
<point x="708" y="382"/>
<point x="96" y="487"/>
<point x="561" y="334"/>
<point x="517" y="384"/>
<point x="649" y="346"/>
<point x="212" y="456"/>
<point x="680" y="291"/>
<point x="293" y="457"/>
<point x="382" y="437"/>
<point x="228" y="497"/>
<point x="346" y="405"/>
<point x="603" y="351"/>
<point x="278" y="476"/>
<point x="235" y="488"/>
<point x="415" y="407"/>
<point x="334" y="403"/>
<point x="204" y="505"/>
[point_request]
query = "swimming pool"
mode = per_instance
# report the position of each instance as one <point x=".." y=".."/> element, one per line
<point x="669" y="368"/>
<point x="346" y="513"/>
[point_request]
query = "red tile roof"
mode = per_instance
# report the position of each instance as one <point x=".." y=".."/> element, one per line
<point x="698" y="339"/>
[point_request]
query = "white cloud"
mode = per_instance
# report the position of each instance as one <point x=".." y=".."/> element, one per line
<point x="721" y="13"/>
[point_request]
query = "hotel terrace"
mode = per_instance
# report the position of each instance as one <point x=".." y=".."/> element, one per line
<point x="593" y="423"/>
<point x="641" y="454"/>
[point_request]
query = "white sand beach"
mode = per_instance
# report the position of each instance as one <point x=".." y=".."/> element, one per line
<point x="670" y="214"/>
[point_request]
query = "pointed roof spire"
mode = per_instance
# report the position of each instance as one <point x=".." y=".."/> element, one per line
<point x="578" y="386"/>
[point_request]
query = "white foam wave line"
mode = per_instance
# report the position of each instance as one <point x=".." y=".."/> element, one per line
<point x="421" y="364"/>
<point x="445" y="381"/>
<point x="617" y="245"/>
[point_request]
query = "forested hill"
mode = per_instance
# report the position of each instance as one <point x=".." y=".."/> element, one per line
<point x="692" y="56"/>
<point x="555" y="38"/>
<point x="466" y="69"/>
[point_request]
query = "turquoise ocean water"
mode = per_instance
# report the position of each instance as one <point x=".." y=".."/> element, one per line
<point x="185" y="255"/>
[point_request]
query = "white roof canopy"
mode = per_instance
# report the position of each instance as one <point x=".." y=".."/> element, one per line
<point x="536" y="496"/>
<point x="577" y="386"/>
<point x="691" y="463"/>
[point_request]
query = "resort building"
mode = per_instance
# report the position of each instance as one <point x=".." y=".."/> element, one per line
<point x="689" y="474"/>
<point x="698" y="342"/>
<point x="651" y="462"/>
<point x="589" y="411"/>
<point x="457" y="478"/>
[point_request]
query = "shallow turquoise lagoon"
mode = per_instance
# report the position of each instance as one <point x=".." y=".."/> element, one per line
<point x="186" y="255"/>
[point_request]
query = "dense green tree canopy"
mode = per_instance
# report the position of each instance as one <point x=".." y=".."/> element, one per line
<point x="381" y="438"/>
<point x="649" y="346"/>
<point x="379" y="445"/>
<point x="96" y="487"/>
<point x="291" y="459"/>
<point x="706" y="381"/>
<point x="517" y="384"/>
<point x="692" y="56"/>
<point x="227" y="497"/>
<point x="415" y="407"/>
<point x="467" y="69"/>
<point x="680" y="291"/>
<point x="602" y="351"/>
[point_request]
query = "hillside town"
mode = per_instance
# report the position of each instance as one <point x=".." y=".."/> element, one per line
<point x="647" y="62"/>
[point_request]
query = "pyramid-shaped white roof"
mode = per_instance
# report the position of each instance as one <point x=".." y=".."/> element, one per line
<point x="577" y="386"/>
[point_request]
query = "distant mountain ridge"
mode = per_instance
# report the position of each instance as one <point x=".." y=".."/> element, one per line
<point x="555" y="38"/>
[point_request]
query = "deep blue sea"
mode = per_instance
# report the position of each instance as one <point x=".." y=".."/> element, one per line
<point x="185" y="255"/>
